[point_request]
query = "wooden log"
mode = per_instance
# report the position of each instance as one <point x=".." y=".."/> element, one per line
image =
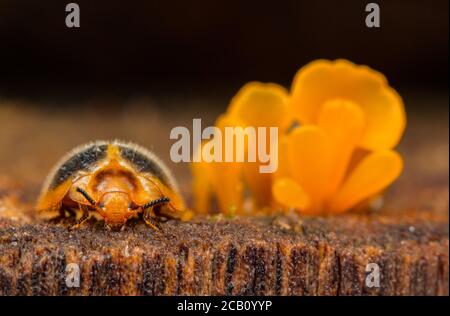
<point x="285" y="255"/>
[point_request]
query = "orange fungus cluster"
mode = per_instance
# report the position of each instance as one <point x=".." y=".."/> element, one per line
<point x="337" y="128"/>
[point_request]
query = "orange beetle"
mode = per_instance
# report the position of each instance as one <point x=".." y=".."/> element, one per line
<point x="114" y="179"/>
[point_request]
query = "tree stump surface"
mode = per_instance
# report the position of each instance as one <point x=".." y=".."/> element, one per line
<point x="284" y="255"/>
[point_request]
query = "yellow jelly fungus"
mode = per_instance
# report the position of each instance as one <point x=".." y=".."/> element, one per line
<point x="222" y="180"/>
<point x="337" y="157"/>
<point x="321" y="81"/>
<point x="292" y="195"/>
<point x="260" y="105"/>
<point x="201" y="185"/>
<point x="374" y="173"/>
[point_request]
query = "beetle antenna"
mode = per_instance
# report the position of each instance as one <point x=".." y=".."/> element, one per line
<point x="156" y="202"/>
<point x="86" y="196"/>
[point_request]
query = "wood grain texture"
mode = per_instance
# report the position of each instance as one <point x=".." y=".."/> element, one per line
<point x="265" y="256"/>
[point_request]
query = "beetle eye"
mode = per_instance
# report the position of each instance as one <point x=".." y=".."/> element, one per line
<point x="101" y="205"/>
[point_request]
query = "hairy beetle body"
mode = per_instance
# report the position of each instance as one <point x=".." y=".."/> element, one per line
<point x="115" y="180"/>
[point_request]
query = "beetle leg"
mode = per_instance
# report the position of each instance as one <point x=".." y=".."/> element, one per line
<point x="166" y="213"/>
<point x="150" y="219"/>
<point x="71" y="212"/>
<point x="84" y="217"/>
<point x="63" y="210"/>
<point x="153" y="223"/>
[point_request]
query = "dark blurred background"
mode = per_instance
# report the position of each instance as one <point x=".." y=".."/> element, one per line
<point x="136" y="69"/>
<point x="210" y="46"/>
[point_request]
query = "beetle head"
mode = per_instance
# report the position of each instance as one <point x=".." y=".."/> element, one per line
<point x="115" y="208"/>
